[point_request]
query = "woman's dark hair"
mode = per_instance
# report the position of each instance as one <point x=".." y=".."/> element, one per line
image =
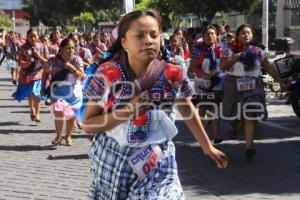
<point x="70" y="35"/>
<point x="177" y="31"/>
<point x="173" y="37"/>
<point x="240" y="28"/>
<point x="116" y="51"/>
<point x="31" y="30"/>
<point x="254" y="42"/>
<point x="206" y="28"/>
<point x="65" y="42"/>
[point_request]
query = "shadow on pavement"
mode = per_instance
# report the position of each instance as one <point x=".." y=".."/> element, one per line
<point x="28" y="148"/>
<point x="9" y="123"/>
<point x="73" y="157"/>
<point x="274" y="170"/>
<point x="5" y="79"/>
<point x="81" y="135"/>
<point x="42" y="111"/>
<point x="13" y="106"/>
<point x="7" y="85"/>
<point x="11" y="131"/>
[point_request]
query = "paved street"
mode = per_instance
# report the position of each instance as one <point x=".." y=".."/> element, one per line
<point x="30" y="168"/>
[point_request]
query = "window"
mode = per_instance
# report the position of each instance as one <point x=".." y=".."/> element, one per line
<point x="295" y="18"/>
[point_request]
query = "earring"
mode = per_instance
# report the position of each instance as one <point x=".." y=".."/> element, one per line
<point x="125" y="50"/>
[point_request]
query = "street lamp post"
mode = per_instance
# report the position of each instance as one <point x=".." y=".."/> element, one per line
<point x="14" y="20"/>
<point x="265" y="25"/>
<point x="128" y="5"/>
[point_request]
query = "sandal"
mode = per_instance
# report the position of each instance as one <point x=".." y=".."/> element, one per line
<point x="37" y="119"/>
<point x="69" y="142"/>
<point x="32" y="117"/>
<point x="57" y="141"/>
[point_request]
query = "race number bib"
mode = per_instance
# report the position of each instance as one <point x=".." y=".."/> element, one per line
<point x="145" y="160"/>
<point x="245" y="84"/>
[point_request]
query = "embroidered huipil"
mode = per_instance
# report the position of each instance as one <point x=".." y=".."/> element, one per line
<point x="139" y="131"/>
<point x="249" y="64"/>
<point x="11" y="46"/>
<point x="25" y="58"/>
<point x="69" y="90"/>
<point x="55" y="65"/>
<point x="83" y="53"/>
<point x="208" y="60"/>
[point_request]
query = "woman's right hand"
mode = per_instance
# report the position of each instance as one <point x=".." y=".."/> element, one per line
<point x="218" y="156"/>
<point x="139" y="104"/>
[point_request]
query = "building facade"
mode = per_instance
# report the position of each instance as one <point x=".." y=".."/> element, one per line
<point x="13" y="9"/>
<point x="288" y="20"/>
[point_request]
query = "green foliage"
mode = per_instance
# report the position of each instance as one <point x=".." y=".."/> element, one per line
<point x="204" y="9"/>
<point x="144" y="4"/>
<point x="54" y="12"/>
<point x="111" y="10"/>
<point x="85" y="17"/>
<point x="5" y="22"/>
<point x="163" y="6"/>
<point x="71" y="29"/>
<point x="59" y="12"/>
<point x="101" y="15"/>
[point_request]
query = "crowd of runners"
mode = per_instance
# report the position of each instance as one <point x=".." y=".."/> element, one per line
<point x="126" y="89"/>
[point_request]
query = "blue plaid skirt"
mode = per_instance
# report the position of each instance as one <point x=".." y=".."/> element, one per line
<point x="114" y="179"/>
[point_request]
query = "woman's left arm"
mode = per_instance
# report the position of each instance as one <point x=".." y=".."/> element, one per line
<point x="193" y="121"/>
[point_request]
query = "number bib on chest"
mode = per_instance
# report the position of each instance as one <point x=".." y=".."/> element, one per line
<point x="145" y="160"/>
<point x="245" y="84"/>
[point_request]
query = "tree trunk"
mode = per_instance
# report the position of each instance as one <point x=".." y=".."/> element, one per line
<point x="210" y="16"/>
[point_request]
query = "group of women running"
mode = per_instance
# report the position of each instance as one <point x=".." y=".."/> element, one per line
<point x="129" y="97"/>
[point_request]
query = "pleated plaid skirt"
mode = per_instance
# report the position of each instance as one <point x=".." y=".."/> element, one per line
<point x="114" y="179"/>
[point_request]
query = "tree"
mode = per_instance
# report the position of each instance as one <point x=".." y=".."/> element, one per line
<point x="84" y="18"/>
<point x="63" y="12"/>
<point x="207" y="9"/>
<point x="5" y="22"/>
<point x="66" y="10"/>
<point x="165" y="7"/>
<point x="204" y="9"/>
<point x="111" y="10"/>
